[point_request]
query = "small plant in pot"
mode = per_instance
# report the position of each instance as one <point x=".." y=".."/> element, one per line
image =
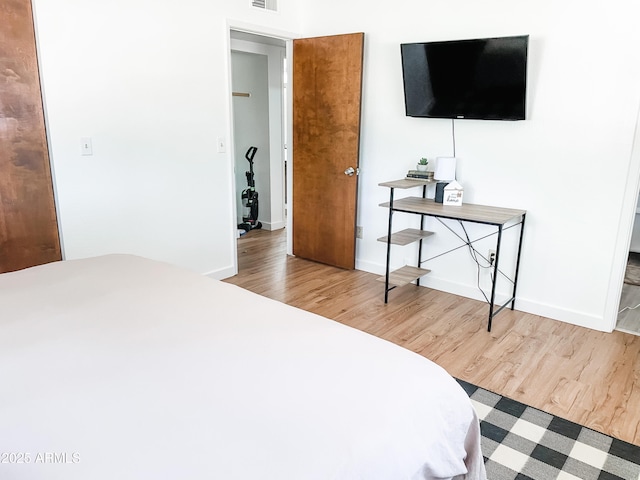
<point x="422" y="164"/>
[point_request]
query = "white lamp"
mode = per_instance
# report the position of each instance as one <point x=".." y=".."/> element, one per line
<point x="445" y="169"/>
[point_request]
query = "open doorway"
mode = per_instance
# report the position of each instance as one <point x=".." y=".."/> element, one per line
<point x="629" y="311"/>
<point x="334" y="82"/>
<point x="258" y="67"/>
<point x="628" y="308"/>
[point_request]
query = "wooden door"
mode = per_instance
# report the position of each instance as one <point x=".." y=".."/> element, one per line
<point x="327" y="85"/>
<point x="28" y="225"/>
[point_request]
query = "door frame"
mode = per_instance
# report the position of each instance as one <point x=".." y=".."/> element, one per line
<point x="47" y="131"/>
<point x="287" y="37"/>
<point x="625" y="229"/>
<point x="269" y="167"/>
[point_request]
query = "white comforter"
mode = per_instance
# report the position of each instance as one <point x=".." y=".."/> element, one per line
<point x="118" y="367"/>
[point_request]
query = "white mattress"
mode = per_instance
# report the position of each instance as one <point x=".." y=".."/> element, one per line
<point x="119" y="367"/>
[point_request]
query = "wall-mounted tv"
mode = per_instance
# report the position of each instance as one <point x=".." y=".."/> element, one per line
<point x="482" y="78"/>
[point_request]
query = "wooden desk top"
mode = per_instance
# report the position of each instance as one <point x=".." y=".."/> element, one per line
<point x="466" y="211"/>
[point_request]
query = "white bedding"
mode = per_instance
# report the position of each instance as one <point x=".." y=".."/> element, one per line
<point x="118" y="367"/>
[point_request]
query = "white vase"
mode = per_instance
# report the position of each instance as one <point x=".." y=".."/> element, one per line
<point x="421" y="168"/>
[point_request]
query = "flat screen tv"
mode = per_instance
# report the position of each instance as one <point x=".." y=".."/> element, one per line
<point x="482" y="78"/>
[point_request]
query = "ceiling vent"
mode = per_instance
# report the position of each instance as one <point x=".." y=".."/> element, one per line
<point x="266" y="4"/>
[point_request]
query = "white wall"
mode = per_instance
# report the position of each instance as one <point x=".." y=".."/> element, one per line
<point x="148" y="81"/>
<point x="566" y="165"/>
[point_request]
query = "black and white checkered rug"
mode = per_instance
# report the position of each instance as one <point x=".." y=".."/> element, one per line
<point x="521" y="443"/>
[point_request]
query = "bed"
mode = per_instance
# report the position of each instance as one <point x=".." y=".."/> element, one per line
<point x="123" y="367"/>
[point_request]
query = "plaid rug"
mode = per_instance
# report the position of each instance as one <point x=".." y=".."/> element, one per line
<point x="521" y="443"/>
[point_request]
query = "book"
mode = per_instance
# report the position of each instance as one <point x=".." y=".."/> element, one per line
<point x="420" y="175"/>
<point x="417" y="179"/>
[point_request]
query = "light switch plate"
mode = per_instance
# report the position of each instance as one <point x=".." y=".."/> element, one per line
<point x="221" y="145"/>
<point x="85" y="146"/>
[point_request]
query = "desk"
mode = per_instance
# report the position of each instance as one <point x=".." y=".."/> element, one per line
<point x="486" y="215"/>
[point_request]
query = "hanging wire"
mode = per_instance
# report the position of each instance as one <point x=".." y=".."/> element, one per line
<point x="629" y="308"/>
<point x="453" y="135"/>
<point x="479" y="266"/>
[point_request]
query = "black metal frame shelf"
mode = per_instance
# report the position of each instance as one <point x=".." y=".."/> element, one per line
<point x="481" y="214"/>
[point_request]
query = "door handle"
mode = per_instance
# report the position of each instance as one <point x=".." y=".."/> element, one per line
<point x="350" y="171"/>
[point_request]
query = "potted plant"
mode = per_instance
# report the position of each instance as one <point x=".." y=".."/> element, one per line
<point x="422" y="164"/>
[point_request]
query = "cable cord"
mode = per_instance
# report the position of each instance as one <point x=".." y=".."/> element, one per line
<point x="629" y="308"/>
<point x="474" y="255"/>
<point x="453" y="135"/>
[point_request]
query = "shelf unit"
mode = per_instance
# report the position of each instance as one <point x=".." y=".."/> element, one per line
<point x="486" y="215"/>
<point x="408" y="273"/>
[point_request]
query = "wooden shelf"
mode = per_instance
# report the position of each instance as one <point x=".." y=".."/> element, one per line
<point x="404" y="275"/>
<point x="406" y="183"/>
<point x="407" y="236"/>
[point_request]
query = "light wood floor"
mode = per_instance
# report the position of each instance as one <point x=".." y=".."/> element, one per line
<point x="588" y="377"/>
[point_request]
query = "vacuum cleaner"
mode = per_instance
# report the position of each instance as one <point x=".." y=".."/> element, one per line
<point x="250" y="197"/>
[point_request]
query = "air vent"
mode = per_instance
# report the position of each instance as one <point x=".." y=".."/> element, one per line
<point x="265" y="4"/>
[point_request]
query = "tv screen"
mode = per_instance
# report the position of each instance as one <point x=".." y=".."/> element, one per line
<point x="478" y="79"/>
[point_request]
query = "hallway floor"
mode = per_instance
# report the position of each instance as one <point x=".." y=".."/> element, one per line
<point x="629" y="317"/>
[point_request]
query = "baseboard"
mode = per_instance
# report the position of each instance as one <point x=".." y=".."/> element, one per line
<point x="573" y="317"/>
<point x="274" y="226"/>
<point x="221" y="274"/>
<point x="626" y="330"/>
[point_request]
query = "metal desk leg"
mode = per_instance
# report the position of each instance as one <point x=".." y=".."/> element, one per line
<point x="386" y="278"/>
<point x="495" y="277"/>
<point x="419" y="263"/>
<point x="515" y="278"/>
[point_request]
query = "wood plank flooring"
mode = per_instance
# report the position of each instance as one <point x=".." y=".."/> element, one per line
<point x="588" y="377"/>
